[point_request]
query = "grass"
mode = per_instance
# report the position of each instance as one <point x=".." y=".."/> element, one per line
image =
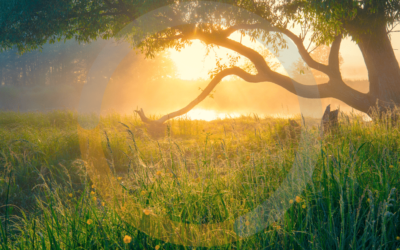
<point x="188" y="189"/>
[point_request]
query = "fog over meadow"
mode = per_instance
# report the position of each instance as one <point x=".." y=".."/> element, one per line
<point x="53" y="79"/>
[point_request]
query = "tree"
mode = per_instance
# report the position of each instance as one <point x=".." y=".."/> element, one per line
<point x="367" y="22"/>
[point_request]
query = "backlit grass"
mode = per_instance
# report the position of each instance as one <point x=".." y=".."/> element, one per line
<point x="200" y="173"/>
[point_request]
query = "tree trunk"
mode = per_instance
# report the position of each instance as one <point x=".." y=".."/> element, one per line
<point x="383" y="69"/>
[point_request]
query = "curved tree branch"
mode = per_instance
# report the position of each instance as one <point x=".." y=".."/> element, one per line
<point x="334" y="57"/>
<point x="213" y="83"/>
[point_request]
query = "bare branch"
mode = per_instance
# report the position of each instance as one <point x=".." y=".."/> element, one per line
<point x="334" y="57"/>
<point x="210" y="87"/>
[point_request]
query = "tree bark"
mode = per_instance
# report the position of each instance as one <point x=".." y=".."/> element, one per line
<point x="383" y="68"/>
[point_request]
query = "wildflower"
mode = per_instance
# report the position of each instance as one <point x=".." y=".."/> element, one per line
<point x="232" y="199"/>
<point x="248" y="157"/>
<point x="291" y="201"/>
<point x="304" y="206"/>
<point x="143" y="192"/>
<point x="391" y="166"/>
<point x="398" y="238"/>
<point x="157" y="247"/>
<point x="94" y="198"/>
<point x="93" y="186"/>
<point x="123" y="209"/>
<point x="146" y="211"/>
<point x="219" y="156"/>
<point x="319" y="138"/>
<point x="298" y="199"/>
<point x="171" y="175"/>
<point x="158" y="173"/>
<point x="119" y="178"/>
<point x="89" y="221"/>
<point x="92" y="193"/>
<point x="247" y="223"/>
<point x="103" y="204"/>
<point x="368" y="199"/>
<point x="127" y="239"/>
<point x="70" y="195"/>
<point x="278" y="227"/>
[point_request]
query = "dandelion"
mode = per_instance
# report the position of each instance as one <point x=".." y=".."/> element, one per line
<point x="147" y="211"/>
<point x="298" y="199"/>
<point x="248" y="157"/>
<point x="93" y="186"/>
<point x="89" y="221"/>
<point x="304" y="206"/>
<point x="103" y="204"/>
<point x="94" y="198"/>
<point x="219" y="156"/>
<point x="291" y="201"/>
<point x="119" y="178"/>
<point x="157" y="247"/>
<point x="158" y="173"/>
<point x="143" y="192"/>
<point x="92" y="193"/>
<point x="70" y="195"/>
<point x="368" y="199"/>
<point x="398" y="238"/>
<point x="391" y="166"/>
<point x="127" y="239"/>
<point x="278" y="227"/>
<point x="247" y="223"/>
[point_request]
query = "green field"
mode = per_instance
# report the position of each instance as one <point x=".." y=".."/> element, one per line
<point x="200" y="174"/>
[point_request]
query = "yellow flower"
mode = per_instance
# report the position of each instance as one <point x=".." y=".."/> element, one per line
<point x="171" y="175"/>
<point x="143" y="192"/>
<point x="319" y="138"/>
<point x="103" y="203"/>
<point x="157" y="247"/>
<point x="92" y="193"/>
<point x="368" y="199"/>
<point x="89" y="221"/>
<point x="291" y="201"/>
<point x="247" y="223"/>
<point x="398" y="238"/>
<point x="94" y="198"/>
<point x="248" y="157"/>
<point x="93" y="186"/>
<point x="127" y="239"/>
<point x="391" y="166"/>
<point x="119" y="178"/>
<point x="219" y="156"/>
<point x="70" y="195"/>
<point x="298" y="199"/>
<point x="158" y="173"/>
<point x="278" y="227"/>
<point x="304" y="206"/>
<point x="146" y="211"/>
<point x="123" y="209"/>
<point x="232" y="199"/>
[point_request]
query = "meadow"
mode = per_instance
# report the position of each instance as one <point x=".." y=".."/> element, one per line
<point x="186" y="189"/>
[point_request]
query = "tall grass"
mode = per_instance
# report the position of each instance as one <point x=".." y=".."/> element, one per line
<point x="200" y="173"/>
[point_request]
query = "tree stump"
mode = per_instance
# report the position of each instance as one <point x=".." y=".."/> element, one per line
<point x="330" y="120"/>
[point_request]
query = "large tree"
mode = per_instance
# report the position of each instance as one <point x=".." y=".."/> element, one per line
<point x="29" y="24"/>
